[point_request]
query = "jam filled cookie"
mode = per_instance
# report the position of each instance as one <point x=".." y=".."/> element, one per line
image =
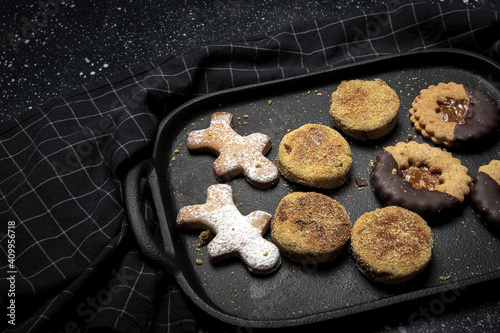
<point x="453" y="114"/>
<point x="310" y="227"/>
<point x="391" y="245"/>
<point x="364" y="110"/>
<point x="235" y="234"/>
<point x="421" y="178"/>
<point x="315" y="155"/>
<point x="485" y="192"/>
<point x="236" y="154"/>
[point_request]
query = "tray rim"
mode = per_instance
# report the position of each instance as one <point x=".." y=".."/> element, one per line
<point x="332" y="314"/>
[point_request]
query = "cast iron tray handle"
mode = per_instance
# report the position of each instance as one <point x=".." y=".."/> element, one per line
<point x="160" y="258"/>
<point x="133" y="198"/>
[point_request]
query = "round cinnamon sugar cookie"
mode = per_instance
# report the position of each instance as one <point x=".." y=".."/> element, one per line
<point x="391" y="245"/>
<point x="315" y="155"/>
<point x="364" y="110"/>
<point x="485" y="192"/>
<point x="310" y="227"/>
<point x="453" y="114"/>
<point x="421" y="178"/>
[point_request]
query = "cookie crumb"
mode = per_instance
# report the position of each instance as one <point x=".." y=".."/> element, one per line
<point x="205" y="237"/>
<point x="361" y="181"/>
<point x="199" y="261"/>
<point x="444" y="278"/>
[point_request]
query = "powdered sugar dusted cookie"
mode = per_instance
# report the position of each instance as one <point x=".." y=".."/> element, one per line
<point x="236" y="154"/>
<point x="235" y="234"/>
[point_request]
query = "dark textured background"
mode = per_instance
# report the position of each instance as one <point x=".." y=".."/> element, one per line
<point x="82" y="43"/>
<point x="77" y="44"/>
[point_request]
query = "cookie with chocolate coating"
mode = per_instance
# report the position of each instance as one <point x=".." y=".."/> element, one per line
<point x="419" y="177"/>
<point x="391" y="245"/>
<point x="485" y="192"/>
<point x="453" y="114"/>
<point x="364" y="109"/>
<point x="315" y="155"/>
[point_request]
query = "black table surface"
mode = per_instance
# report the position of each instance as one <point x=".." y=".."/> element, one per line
<point x="79" y="43"/>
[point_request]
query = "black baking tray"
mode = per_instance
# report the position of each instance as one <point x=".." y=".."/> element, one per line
<point x="466" y="249"/>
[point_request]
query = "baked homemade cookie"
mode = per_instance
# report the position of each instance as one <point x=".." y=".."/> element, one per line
<point x="364" y="110"/>
<point x="391" y="245"/>
<point x="310" y="227"/>
<point x="235" y="234"/>
<point x="421" y="178"/>
<point x="315" y="155"/>
<point x="485" y="192"/>
<point x="236" y="154"/>
<point x="453" y="114"/>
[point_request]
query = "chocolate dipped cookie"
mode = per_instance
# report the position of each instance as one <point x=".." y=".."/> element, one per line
<point x="453" y="114"/>
<point x="421" y="178"/>
<point x="485" y="192"/>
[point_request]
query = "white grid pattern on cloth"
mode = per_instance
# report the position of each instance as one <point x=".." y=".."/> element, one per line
<point x="72" y="222"/>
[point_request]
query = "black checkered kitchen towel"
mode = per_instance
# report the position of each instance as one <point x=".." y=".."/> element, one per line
<point x="62" y="164"/>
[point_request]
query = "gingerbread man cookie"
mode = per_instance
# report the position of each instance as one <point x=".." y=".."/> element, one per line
<point x="236" y="154"/>
<point x="235" y="234"/>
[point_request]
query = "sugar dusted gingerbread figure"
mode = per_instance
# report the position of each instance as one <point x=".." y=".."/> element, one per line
<point x="235" y="234"/>
<point x="236" y="154"/>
